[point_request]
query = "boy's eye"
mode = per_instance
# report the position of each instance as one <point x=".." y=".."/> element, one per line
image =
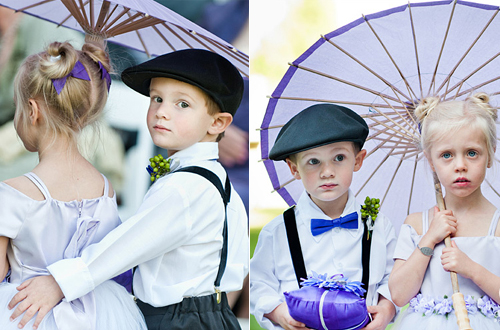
<point x="471" y="153"/>
<point x="339" y="158"/>
<point x="313" y="161"/>
<point x="183" y="104"/>
<point x="157" y="99"/>
<point x="446" y="155"/>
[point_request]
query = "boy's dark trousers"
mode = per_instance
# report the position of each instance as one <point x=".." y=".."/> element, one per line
<point x="191" y="313"/>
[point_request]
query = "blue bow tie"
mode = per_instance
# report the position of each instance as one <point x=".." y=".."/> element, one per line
<point x="319" y="226"/>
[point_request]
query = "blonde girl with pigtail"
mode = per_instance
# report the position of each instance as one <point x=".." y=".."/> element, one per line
<point x="459" y="141"/>
<point x="64" y="204"/>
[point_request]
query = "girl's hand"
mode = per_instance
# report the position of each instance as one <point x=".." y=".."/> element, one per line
<point x="443" y="224"/>
<point x="36" y="295"/>
<point x="281" y="316"/>
<point x="454" y="260"/>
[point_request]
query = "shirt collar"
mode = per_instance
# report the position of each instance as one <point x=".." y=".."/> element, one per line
<point x="308" y="210"/>
<point x="201" y="151"/>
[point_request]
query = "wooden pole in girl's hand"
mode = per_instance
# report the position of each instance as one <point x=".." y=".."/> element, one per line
<point x="457" y="297"/>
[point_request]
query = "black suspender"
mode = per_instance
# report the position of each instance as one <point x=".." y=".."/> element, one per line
<point x="296" y="251"/>
<point x="294" y="244"/>
<point x="226" y="196"/>
<point x="365" y="255"/>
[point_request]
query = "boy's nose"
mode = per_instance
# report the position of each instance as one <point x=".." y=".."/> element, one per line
<point x="327" y="171"/>
<point x="163" y="113"/>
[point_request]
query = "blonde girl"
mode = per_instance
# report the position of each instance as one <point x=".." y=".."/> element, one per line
<point x="459" y="140"/>
<point x="64" y="204"/>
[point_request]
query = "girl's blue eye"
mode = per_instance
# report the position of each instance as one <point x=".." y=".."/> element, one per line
<point x="313" y="161"/>
<point x="339" y="158"/>
<point x="183" y="104"/>
<point x="446" y="155"/>
<point x="471" y="153"/>
<point x="157" y="99"/>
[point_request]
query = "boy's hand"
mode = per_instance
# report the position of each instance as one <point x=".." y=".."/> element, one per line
<point x="281" y="316"/>
<point x="36" y="295"/>
<point x="443" y="224"/>
<point x="382" y="314"/>
<point x="454" y="260"/>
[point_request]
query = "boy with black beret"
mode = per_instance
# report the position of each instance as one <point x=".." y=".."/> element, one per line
<point x="189" y="237"/>
<point x="322" y="146"/>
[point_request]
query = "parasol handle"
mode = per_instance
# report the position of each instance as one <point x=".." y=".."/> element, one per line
<point x="457" y="297"/>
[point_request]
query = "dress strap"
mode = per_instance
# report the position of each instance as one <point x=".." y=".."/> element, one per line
<point x="494" y="223"/>
<point x="39" y="183"/>
<point x="425" y="222"/>
<point x="106" y="186"/>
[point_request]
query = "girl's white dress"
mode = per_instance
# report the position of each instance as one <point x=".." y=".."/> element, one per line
<point x="431" y="309"/>
<point x="43" y="232"/>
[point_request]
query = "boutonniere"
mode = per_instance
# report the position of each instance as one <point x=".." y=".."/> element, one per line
<point x="158" y="167"/>
<point x="369" y="212"/>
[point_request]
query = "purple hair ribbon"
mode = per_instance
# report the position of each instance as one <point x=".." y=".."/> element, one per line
<point x="77" y="72"/>
<point x="105" y="74"/>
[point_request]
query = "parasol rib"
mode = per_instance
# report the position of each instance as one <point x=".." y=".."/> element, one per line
<point x="412" y="185"/>
<point x="164" y="39"/>
<point x="471" y="89"/>
<point x="118" y="16"/>
<point x="401" y="121"/>
<point x="416" y="51"/>
<point x="34" y="5"/>
<point x="471" y="74"/>
<point x="284" y="184"/>
<point x="292" y="98"/>
<point x="447" y="79"/>
<point x="176" y="34"/>
<point x="408" y="87"/>
<point x="73" y="9"/>
<point x="109" y="15"/>
<point x="84" y="13"/>
<point x="143" y="43"/>
<point x="92" y="14"/>
<point x="442" y="48"/>
<point x="392" y="180"/>
<point x="233" y="52"/>
<point x="141" y="23"/>
<point x="394" y="89"/>
<point x="491" y="186"/>
<point x="343" y="81"/>
<point x="374" y="171"/>
<point x="102" y="15"/>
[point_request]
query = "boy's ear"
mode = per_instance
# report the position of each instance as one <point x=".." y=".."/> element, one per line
<point x="360" y="157"/>
<point x="35" y="113"/>
<point x="221" y="121"/>
<point x="293" y="169"/>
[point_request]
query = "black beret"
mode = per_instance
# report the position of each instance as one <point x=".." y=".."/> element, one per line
<point x="316" y="126"/>
<point x="206" y="70"/>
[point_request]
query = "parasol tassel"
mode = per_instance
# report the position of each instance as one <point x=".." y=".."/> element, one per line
<point x="457" y="297"/>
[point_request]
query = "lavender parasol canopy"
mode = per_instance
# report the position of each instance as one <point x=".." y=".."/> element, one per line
<point x="143" y="25"/>
<point x="380" y="66"/>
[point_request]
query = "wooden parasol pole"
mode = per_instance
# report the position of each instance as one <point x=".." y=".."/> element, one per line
<point x="457" y="297"/>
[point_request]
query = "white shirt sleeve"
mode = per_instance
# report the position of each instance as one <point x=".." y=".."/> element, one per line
<point x="162" y="223"/>
<point x="265" y="293"/>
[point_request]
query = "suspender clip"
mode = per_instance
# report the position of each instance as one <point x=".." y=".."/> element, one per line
<point x="219" y="295"/>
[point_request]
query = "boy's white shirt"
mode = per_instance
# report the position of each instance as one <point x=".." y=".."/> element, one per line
<point x="336" y="251"/>
<point x="175" y="237"/>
